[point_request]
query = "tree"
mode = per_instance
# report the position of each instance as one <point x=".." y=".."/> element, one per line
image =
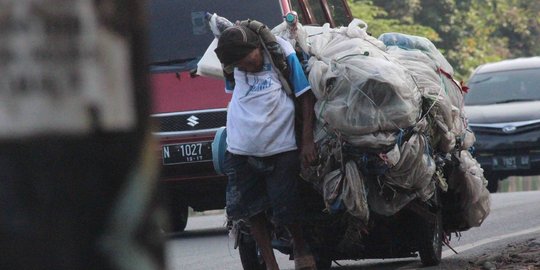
<point x="468" y="32"/>
<point x="380" y="22"/>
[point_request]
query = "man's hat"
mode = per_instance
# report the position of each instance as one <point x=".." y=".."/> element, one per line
<point x="235" y="43"/>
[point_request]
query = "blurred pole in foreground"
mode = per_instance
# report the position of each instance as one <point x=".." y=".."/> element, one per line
<point x="77" y="171"/>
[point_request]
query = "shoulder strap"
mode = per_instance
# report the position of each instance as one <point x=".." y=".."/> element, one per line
<point x="284" y="81"/>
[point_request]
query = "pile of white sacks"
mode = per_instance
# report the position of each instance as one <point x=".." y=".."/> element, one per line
<point x="390" y="123"/>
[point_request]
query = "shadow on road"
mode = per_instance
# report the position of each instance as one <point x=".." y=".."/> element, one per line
<point x="376" y="264"/>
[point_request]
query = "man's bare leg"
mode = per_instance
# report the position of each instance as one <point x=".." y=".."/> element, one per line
<point x="259" y="231"/>
<point x="299" y="243"/>
<point x="300" y="249"/>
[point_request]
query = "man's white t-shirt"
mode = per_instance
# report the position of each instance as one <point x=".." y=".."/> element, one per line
<point x="260" y="116"/>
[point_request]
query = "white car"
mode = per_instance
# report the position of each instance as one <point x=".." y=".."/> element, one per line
<point x="503" y="107"/>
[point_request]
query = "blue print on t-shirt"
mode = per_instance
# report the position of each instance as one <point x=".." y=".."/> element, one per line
<point x="267" y="67"/>
<point x="259" y="85"/>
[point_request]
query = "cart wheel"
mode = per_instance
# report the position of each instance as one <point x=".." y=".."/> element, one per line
<point x="249" y="253"/>
<point x="323" y="263"/>
<point x="430" y="240"/>
<point x="179" y="217"/>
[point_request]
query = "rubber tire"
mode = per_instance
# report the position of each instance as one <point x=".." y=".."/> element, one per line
<point x="249" y="254"/>
<point x="493" y="183"/>
<point x="430" y="240"/>
<point x="179" y="217"/>
<point x="323" y="263"/>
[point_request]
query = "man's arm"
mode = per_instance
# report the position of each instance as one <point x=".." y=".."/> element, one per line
<point x="307" y="100"/>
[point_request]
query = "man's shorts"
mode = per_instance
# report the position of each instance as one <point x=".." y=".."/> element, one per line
<point x="257" y="184"/>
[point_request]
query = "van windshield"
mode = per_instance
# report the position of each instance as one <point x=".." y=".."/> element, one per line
<point x="179" y="35"/>
<point x="504" y="87"/>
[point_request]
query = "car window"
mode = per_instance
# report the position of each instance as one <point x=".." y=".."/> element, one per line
<point x="504" y="87"/>
<point x="179" y="35"/>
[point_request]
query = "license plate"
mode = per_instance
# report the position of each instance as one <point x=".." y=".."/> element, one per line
<point x="511" y="162"/>
<point x="187" y="152"/>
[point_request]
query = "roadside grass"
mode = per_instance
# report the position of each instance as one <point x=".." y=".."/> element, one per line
<point x="520" y="183"/>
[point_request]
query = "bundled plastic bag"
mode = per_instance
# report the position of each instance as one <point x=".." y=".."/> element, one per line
<point x="478" y="212"/>
<point x="420" y="43"/>
<point x="372" y="93"/>
<point x="468" y="139"/>
<point x="209" y="65"/>
<point x="415" y="167"/>
<point x="332" y="187"/>
<point x="422" y="67"/>
<point x="442" y="124"/>
<point x="354" y="192"/>
<point x="437" y="86"/>
<point x="385" y="201"/>
<point x="295" y="34"/>
<point x="375" y="140"/>
<point x="363" y="95"/>
<point x="469" y="182"/>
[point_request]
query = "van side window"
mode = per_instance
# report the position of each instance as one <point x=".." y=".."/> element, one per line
<point x="339" y="12"/>
<point x="295" y="5"/>
<point x="318" y="12"/>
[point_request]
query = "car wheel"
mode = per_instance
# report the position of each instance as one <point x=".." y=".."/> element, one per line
<point x="493" y="182"/>
<point x="249" y="253"/>
<point x="493" y="185"/>
<point x="179" y="217"/>
<point x="431" y="239"/>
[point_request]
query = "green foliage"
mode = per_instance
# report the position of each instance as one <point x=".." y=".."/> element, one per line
<point x="468" y="32"/>
<point x="380" y="22"/>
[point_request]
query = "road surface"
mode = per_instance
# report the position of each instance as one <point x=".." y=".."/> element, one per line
<point x="514" y="217"/>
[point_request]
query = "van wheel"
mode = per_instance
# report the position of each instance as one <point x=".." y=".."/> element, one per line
<point x="430" y="239"/>
<point x="179" y="217"/>
<point x="250" y="256"/>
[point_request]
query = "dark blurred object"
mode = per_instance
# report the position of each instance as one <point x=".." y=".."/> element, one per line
<point x="77" y="185"/>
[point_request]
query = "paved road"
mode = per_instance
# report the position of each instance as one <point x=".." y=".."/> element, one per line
<point x="514" y="216"/>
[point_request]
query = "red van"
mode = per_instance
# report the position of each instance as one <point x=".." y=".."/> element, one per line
<point x="188" y="108"/>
